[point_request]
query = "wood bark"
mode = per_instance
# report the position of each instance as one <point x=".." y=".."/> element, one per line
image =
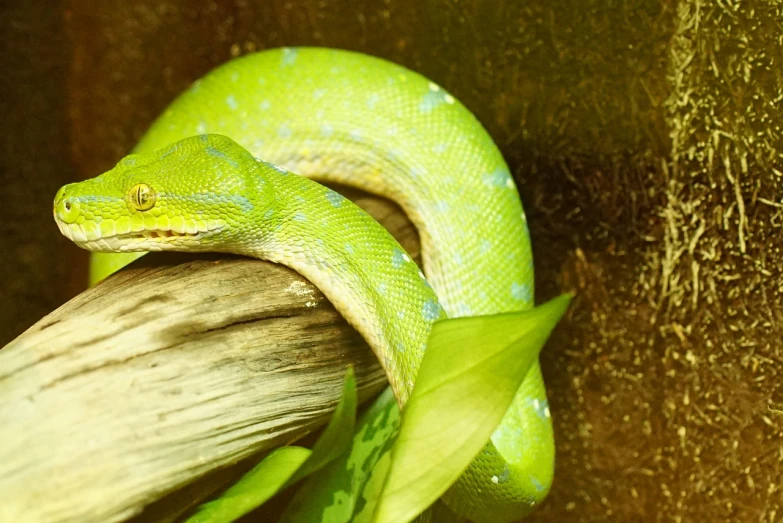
<point x="170" y="369"/>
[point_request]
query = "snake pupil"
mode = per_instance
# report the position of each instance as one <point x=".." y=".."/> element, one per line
<point x="142" y="197"/>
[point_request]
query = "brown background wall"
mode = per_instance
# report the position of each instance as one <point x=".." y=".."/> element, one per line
<point x="645" y="138"/>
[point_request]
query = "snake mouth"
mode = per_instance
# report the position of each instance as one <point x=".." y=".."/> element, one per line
<point x="156" y="233"/>
<point x="134" y="241"/>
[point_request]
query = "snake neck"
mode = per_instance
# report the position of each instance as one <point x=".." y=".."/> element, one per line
<point x="357" y="264"/>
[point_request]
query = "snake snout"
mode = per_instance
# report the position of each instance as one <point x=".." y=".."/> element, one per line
<point x="66" y="208"/>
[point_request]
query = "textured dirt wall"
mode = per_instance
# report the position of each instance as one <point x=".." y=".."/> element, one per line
<point x="35" y="262"/>
<point x="645" y="138"/>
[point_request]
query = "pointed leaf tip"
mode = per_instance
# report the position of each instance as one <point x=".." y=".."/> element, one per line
<point x="470" y="373"/>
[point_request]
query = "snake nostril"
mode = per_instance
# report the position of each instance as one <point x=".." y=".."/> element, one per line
<point x="67" y="209"/>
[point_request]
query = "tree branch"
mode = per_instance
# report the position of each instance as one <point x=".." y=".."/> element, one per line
<point x="172" y="368"/>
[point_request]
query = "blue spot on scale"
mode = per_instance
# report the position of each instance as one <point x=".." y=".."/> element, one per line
<point x="289" y="56"/>
<point x="398" y="258"/>
<point x="327" y="130"/>
<point x="463" y="309"/>
<point x="277" y="168"/>
<point x="503" y="477"/>
<point x="522" y="292"/>
<point x="220" y="154"/>
<point x="431" y="100"/>
<point x="284" y="131"/>
<point x="243" y="202"/>
<point x="349" y="248"/>
<point x="334" y="198"/>
<point x="232" y="102"/>
<point x="430" y="310"/>
<point x="541" y="406"/>
<point x="536" y="484"/>
<point x="164" y="154"/>
<point x="486" y="246"/>
<point x="300" y="217"/>
<point x="264" y="105"/>
<point x="372" y="101"/>
<point x="500" y="177"/>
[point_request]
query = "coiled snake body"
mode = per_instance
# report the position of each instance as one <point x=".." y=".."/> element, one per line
<point x="194" y="183"/>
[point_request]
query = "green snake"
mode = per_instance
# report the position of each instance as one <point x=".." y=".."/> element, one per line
<point x="215" y="172"/>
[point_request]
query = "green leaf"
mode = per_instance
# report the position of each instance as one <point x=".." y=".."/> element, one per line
<point x="336" y="437"/>
<point x="471" y="370"/>
<point x="285" y="466"/>
<point x="332" y="494"/>
<point x="261" y="483"/>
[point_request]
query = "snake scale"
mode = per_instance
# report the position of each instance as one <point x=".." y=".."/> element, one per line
<point x="215" y="172"/>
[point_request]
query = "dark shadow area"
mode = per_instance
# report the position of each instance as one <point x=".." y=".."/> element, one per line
<point x="39" y="271"/>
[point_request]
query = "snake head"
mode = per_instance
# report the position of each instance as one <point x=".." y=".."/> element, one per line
<point x="197" y="194"/>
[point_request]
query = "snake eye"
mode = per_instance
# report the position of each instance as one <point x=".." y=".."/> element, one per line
<point x="142" y="197"/>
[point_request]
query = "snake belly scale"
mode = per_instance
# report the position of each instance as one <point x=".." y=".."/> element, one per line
<point x="215" y="172"/>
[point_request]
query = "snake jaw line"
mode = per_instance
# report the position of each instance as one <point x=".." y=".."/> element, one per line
<point x="144" y="240"/>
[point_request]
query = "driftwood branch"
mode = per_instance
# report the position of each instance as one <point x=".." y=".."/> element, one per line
<point x="175" y="367"/>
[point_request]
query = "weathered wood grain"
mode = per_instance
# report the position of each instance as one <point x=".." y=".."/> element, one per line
<point x="170" y="369"/>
